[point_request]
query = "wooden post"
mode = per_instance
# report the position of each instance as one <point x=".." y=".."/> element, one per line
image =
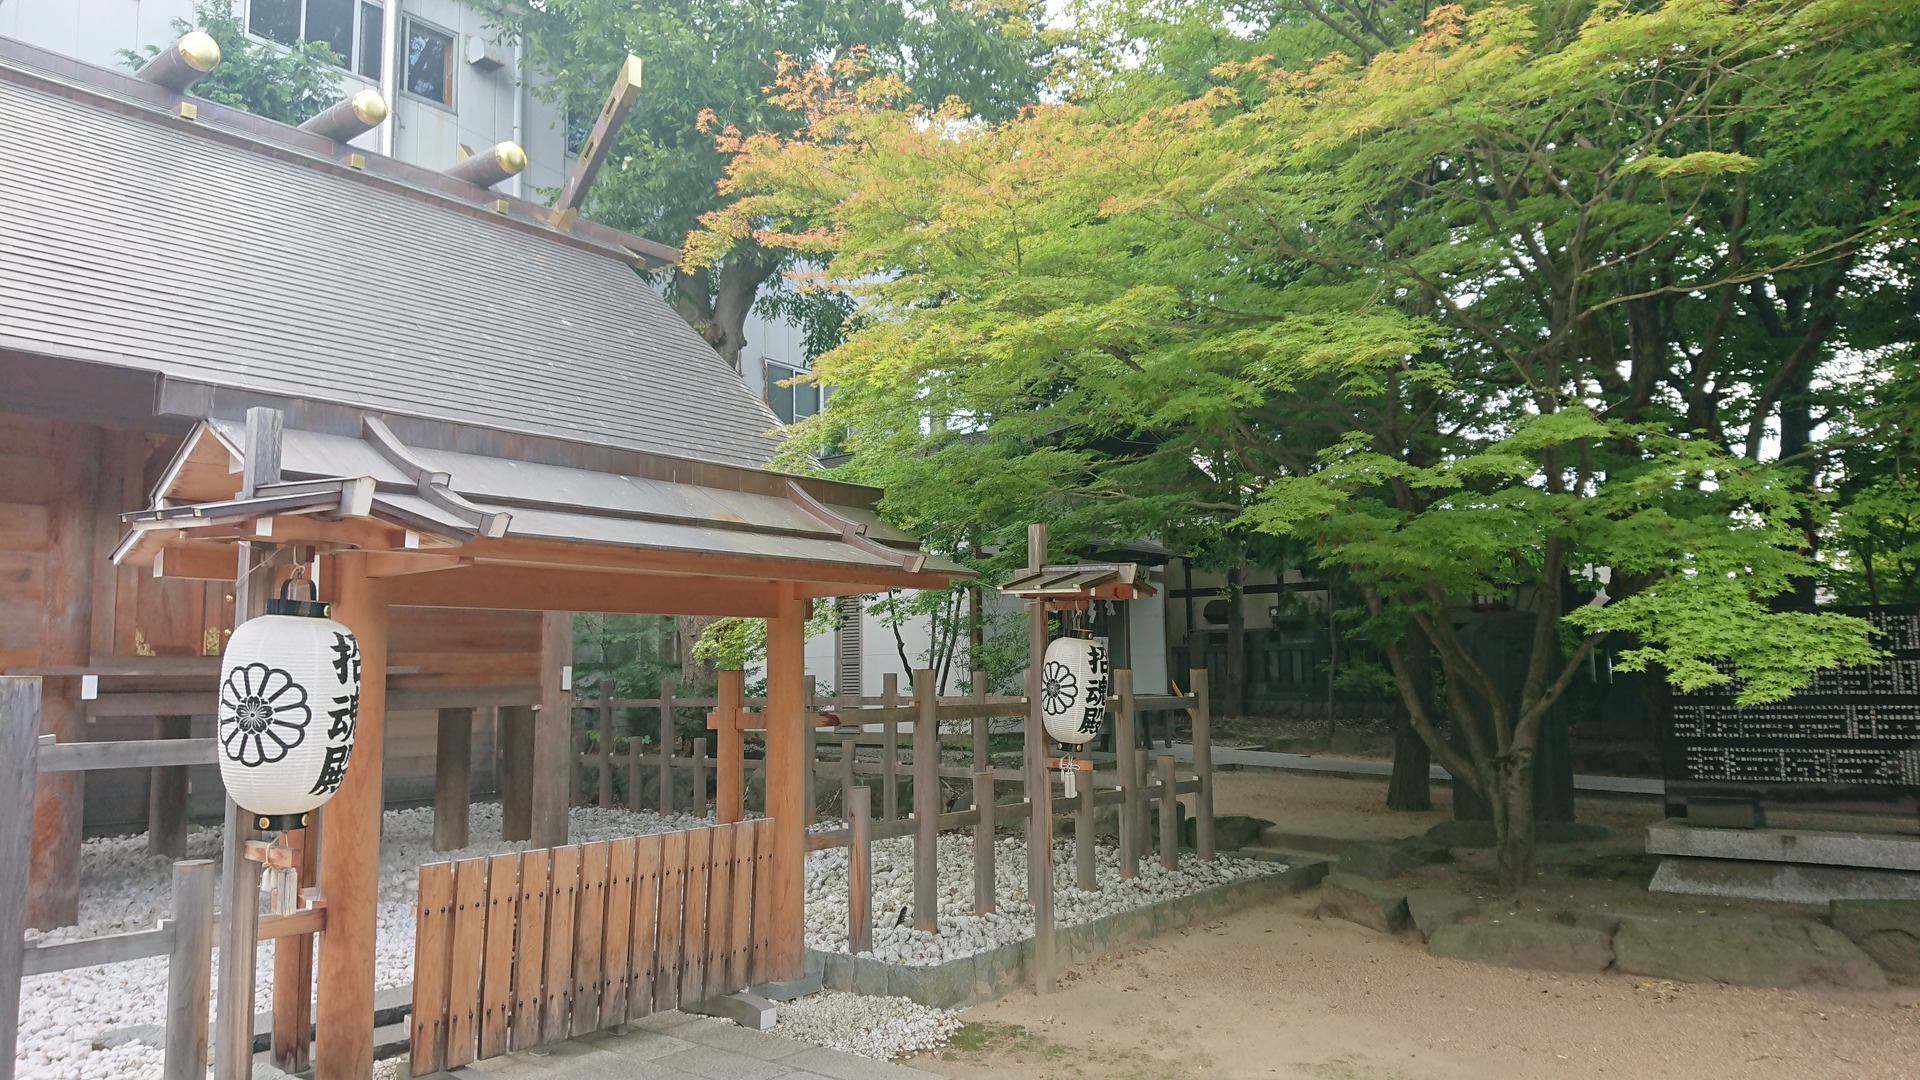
<point x="19" y="768"/>
<point x="293" y="973"/>
<point x="240" y="876"/>
<point x="1142" y="841"/>
<point x="554" y="766"/>
<point x="1202" y="766"/>
<point x="1124" y="738"/>
<point x="890" y="750"/>
<point x="66" y="638"/>
<point x="167" y="795"/>
<point x="1039" y="786"/>
<point x="860" y="871"/>
<point x="786" y="787"/>
<point x="846" y="778"/>
<point x="606" y="743"/>
<point x="926" y="805"/>
<point x="810" y="740"/>
<point x="698" y="808"/>
<point x="1083" y="874"/>
<point x="982" y="746"/>
<point x="350" y="864"/>
<point x="666" y="744"/>
<point x="983" y="885"/>
<point x="729" y="777"/>
<point x="189" y="971"/>
<point x="1169" y="816"/>
<point x="452" y="781"/>
<point x="516" y="772"/>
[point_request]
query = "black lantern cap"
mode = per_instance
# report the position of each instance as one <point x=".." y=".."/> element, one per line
<point x="281" y="822"/>
<point x="311" y="608"/>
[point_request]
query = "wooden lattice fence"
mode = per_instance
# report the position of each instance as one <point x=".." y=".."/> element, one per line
<point x="525" y="948"/>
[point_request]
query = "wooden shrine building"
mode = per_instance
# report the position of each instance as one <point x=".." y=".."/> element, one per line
<point x="229" y="343"/>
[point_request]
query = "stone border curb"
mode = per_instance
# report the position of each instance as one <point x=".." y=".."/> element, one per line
<point x="986" y="976"/>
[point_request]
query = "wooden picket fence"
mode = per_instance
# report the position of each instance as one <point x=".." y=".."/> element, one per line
<point x="518" y="950"/>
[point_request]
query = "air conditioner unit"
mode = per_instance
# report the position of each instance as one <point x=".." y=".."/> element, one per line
<point x="484" y="54"/>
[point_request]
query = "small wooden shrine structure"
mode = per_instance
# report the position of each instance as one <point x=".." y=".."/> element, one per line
<point x="229" y="348"/>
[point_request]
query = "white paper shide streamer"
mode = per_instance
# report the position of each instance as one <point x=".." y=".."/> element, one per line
<point x="289" y="701"/>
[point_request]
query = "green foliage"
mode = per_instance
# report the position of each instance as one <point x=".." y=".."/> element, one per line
<point x="735" y="643"/>
<point x="290" y="84"/>
<point x="1491" y="294"/>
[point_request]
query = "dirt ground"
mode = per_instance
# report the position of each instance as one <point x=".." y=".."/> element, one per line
<point x="1275" y="992"/>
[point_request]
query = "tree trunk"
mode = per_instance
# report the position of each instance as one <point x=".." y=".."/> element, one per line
<point x="716" y="301"/>
<point x="1410" y="787"/>
<point x="1513" y="824"/>
<point x="1236" y="703"/>
<point x="694" y="672"/>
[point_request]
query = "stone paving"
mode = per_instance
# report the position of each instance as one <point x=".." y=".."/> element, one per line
<point x="682" y="1045"/>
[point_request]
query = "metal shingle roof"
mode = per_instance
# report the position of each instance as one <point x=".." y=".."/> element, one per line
<point x="138" y="242"/>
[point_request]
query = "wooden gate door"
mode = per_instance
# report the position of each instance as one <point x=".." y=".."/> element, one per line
<point x="532" y="947"/>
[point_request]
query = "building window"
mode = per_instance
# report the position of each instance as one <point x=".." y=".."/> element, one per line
<point x="351" y="28"/>
<point x="428" y="53"/>
<point x="790" y="403"/>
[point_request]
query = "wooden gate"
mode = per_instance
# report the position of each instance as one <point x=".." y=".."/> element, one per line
<point x="537" y="946"/>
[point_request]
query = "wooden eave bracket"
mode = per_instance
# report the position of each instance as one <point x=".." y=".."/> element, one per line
<point x="852" y="533"/>
<point x="434" y="485"/>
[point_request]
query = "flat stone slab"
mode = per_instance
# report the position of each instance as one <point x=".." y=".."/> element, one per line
<point x="1789" y="883"/>
<point x="1743" y="952"/>
<point x="1373" y="904"/>
<point x="1813" y="847"/>
<point x="1432" y="909"/>
<point x="1535" y="946"/>
<point x="1887" y="930"/>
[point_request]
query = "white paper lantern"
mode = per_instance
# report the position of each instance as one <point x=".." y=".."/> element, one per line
<point x="289" y="700"/>
<point x="1073" y="690"/>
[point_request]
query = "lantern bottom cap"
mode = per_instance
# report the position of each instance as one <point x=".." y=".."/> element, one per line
<point x="280" y="822"/>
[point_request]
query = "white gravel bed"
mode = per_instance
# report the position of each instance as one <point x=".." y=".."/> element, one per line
<point x="122" y="888"/>
<point x="875" y="1027"/>
<point x="963" y="933"/>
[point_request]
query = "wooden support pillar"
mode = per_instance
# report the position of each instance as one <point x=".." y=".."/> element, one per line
<point x="605" y="743"/>
<point x="982" y="746"/>
<point x="847" y="755"/>
<point x="890" y="750"/>
<point x="452" y="780"/>
<point x="350" y="861"/>
<point x="189" y="971"/>
<point x="554" y="765"/>
<point x="1083" y="868"/>
<point x="1203" y="843"/>
<point x="666" y="744"/>
<point x="167" y="795"/>
<point x="293" y="973"/>
<point x="515" y="771"/>
<point x="984" y="894"/>
<point x="19" y="766"/>
<point x="786" y="786"/>
<point x="926" y="805"/>
<point x="66" y="639"/>
<point x="729" y="772"/>
<point x="1124" y="738"/>
<point x="1169" y="815"/>
<point x="1038" y="784"/>
<point x="860" y="870"/>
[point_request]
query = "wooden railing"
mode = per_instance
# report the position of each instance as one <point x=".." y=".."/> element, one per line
<point x="526" y="948"/>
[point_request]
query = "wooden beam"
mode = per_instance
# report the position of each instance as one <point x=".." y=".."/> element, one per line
<point x="729" y="791"/>
<point x="452" y="778"/>
<point x="19" y="742"/>
<point x="167" y="797"/>
<point x="527" y="588"/>
<point x="599" y="144"/>
<point x="391" y="564"/>
<point x="515" y="771"/>
<point x="787" y="766"/>
<point x="66" y="637"/>
<point x="350" y="860"/>
<point x="699" y="563"/>
<point x="553" y="763"/>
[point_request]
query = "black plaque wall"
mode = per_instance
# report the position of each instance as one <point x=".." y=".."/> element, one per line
<point x="1852" y="734"/>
